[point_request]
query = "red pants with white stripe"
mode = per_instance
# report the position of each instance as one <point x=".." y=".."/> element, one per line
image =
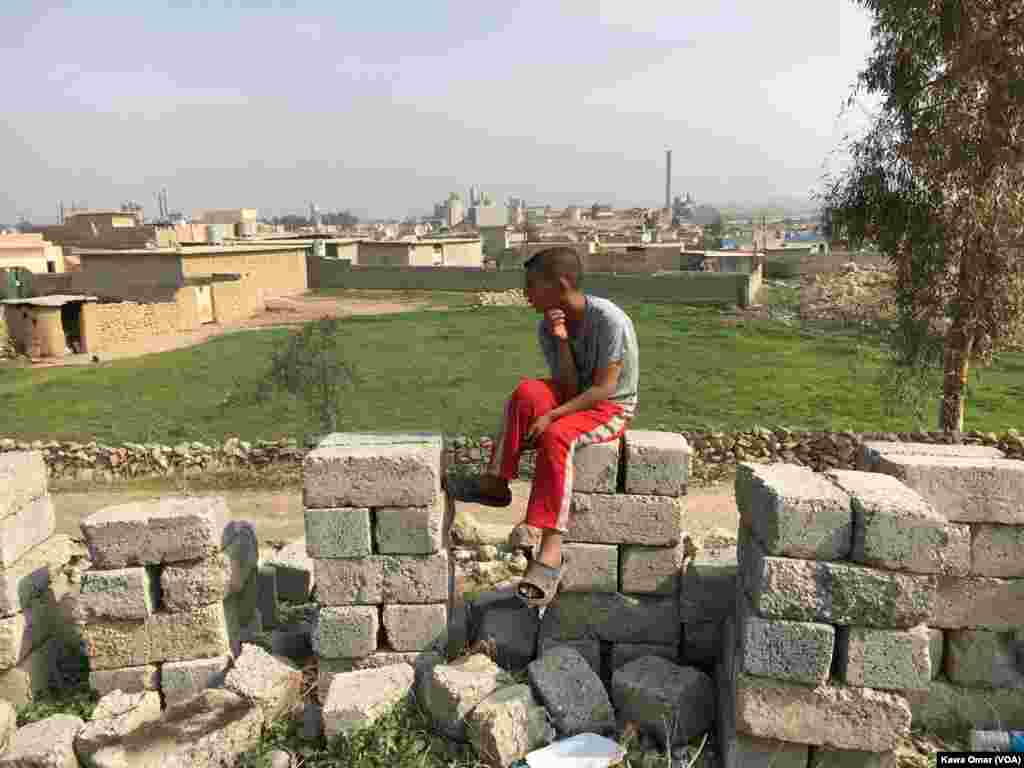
<point x="551" y="494"/>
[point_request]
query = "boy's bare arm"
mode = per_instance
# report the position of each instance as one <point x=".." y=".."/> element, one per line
<point x="567" y="380"/>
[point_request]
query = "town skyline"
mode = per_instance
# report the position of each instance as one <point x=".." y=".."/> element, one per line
<point x="382" y="115"/>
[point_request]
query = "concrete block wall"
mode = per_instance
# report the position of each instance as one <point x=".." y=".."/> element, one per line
<point x="627" y="554"/>
<point x="32" y="582"/>
<point x="868" y="600"/>
<point x="376" y="527"/>
<point x="171" y="587"/>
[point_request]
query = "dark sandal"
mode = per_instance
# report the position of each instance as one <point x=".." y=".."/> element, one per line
<point x="468" y="489"/>
<point x="542" y="578"/>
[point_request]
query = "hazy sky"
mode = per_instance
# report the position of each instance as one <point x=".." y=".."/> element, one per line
<point x="385" y="107"/>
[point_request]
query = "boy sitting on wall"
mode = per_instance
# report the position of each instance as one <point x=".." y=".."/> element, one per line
<point x="591" y="349"/>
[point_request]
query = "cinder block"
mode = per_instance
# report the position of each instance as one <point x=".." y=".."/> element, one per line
<point x="979" y="658"/>
<point x="346" y="632"/>
<point x="799" y="651"/>
<point x="596" y="467"/>
<point x="168" y="530"/>
<point x="657" y="463"/>
<point x="896" y="528"/>
<point x="834" y="593"/>
<point x="823" y="757"/>
<point x="410" y="530"/>
<point x="34" y="573"/>
<point x="872" y="452"/>
<point x="948" y="706"/>
<point x="834" y="716"/>
<point x="612" y="617"/>
<point x="183" y="680"/>
<point x="963" y="490"/>
<point x="997" y="551"/>
<point x="507" y="725"/>
<point x="415" y="627"/>
<point x="752" y="752"/>
<point x="241" y="548"/>
<point x="979" y="602"/>
<point x="885" y="659"/>
<point x="422" y="662"/>
<point x="600" y="518"/>
<point x="590" y="568"/>
<point x="356" y="700"/>
<point x="126" y="679"/>
<point x="181" y="636"/>
<point x="794" y="512"/>
<point x="187" y="586"/>
<point x="707" y="589"/>
<point x="359" y="470"/>
<point x="25" y="528"/>
<point x="588" y="649"/>
<point x="24" y="632"/>
<point x="266" y="595"/>
<point x="623" y="653"/>
<point x="452" y="690"/>
<point x="32" y="676"/>
<point x="22" y="480"/>
<point x="295" y="574"/>
<point x="384" y="579"/>
<point x="674" y="703"/>
<point x="651" y="570"/>
<point x="122" y="593"/>
<point x="342" y="532"/>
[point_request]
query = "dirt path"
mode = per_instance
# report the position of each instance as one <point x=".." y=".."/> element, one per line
<point x="278" y="515"/>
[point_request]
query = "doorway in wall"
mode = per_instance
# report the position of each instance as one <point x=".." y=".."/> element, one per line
<point x="71" y="322"/>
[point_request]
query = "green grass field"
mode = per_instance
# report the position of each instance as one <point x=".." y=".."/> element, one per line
<point x="452" y="371"/>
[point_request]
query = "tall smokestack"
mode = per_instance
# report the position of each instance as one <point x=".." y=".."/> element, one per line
<point x="668" y="178"/>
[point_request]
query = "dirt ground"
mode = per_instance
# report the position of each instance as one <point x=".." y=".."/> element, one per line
<point x="280" y="312"/>
<point x="278" y="515"/>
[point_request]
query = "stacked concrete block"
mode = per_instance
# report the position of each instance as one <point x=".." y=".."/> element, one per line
<point x="839" y="578"/>
<point x="624" y="551"/>
<point x="376" y="522"/>
<point x="32" y="584"/>
<point x="977" y="621"/>
<point x="171" y="584"/>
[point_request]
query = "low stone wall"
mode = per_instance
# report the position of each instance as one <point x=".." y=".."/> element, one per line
<point x="713" y="453"/>
<point x="867" y="600"/>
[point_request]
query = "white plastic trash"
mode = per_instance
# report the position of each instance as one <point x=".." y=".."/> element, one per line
<point x="585" y="750"/>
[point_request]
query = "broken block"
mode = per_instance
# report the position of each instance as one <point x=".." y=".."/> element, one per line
<point x="295" y="574"/>
<point x="572" y="692"/>
<point x="358" y="699"/>
<point x="184" y="680"/>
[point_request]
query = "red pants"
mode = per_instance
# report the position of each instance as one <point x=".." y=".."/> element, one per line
<point x="551" y="494"/>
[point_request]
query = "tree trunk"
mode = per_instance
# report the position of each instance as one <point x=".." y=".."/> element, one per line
<point x="954" y="378"/>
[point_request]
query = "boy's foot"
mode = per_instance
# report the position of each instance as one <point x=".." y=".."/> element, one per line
<point x="472" y="490"/>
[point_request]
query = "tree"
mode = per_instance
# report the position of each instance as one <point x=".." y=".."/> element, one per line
<point x="308" y="366"/>
<point x="937" y="181"/>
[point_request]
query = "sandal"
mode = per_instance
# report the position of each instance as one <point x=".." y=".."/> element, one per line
<point x="468" y="489"/>
<point x="542" y="578"/>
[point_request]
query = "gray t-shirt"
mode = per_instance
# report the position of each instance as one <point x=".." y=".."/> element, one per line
<point x="605" y="336"/>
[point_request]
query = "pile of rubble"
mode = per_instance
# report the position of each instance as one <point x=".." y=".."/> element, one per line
<point x="511" y="298"/>
<point x="855" y="294"/>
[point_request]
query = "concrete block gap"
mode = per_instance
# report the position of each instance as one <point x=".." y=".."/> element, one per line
<point x="840" y="658"/>
<point x="620" y="480"/>
<point x="374" y="542"/>
<point x="618" y="554"/>
<point x="382" y="634"/>
<point x="154" y="572"/>
<point x="606" y="661"/>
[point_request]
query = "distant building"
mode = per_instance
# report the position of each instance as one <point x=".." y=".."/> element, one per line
<point x="434" y="252"/>
<point x="229" y="216"/>
<point x="107" y="229"/>
<point x="32" y="252"/>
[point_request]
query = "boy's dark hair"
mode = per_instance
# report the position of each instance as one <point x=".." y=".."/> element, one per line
<point x="557" y="262"/>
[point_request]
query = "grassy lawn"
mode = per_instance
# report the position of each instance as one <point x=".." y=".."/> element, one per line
<point x="452" y="371"/>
